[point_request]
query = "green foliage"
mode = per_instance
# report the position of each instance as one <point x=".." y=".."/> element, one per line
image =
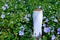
<point x="14" y="17"/>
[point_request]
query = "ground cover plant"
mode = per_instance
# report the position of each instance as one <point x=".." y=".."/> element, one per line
<point x="16" y="19"/>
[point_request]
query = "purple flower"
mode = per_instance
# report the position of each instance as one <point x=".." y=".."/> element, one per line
<point x="3" y="7"/>
<point x="58" y="29"/>
<point x="52" y="17"/>
<point x="55" y="20"/>
<point x="6" y="5"/>
<point x="44" y="25"/>
<point x="46" y="20"/>
<point x="27" y="17"/>
<point x="47" y="29"/>
<point x="53" y="37"/>
<point x="21" y="33"/>
<point x="2" y="16"/>
<point x="58" y="33"/>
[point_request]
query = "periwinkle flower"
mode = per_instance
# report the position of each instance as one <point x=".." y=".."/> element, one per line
<point x="44" y="25"/>
<point x="3" y="7"/>
<point x="22" y="27"/>
<point x="27" y="17"/>
<point x="21" y="33"/>
<point x="6" y="5"/>
<point x="46" y="20"/>
<point x="55" y="20"/>
<point x="47" y="29"/>
<point x="58" y="33"/>
<point x="52" y="17"/>
<point x="2" y="16"/>
<point x="53" y="37"/>
<point x="58" y="29"/>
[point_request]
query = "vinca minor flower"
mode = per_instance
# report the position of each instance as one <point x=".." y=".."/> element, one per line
<point x="53" y="37"/>
<point x="2" y="16"/>
<point x="47" y="29"/>
<point x="21" y="32"/>
<point x="58" y="31"/>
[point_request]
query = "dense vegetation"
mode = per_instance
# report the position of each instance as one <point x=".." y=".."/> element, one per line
<point x="16" y="19"/>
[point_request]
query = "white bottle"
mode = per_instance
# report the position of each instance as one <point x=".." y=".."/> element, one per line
<point x="37" y="22"/>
